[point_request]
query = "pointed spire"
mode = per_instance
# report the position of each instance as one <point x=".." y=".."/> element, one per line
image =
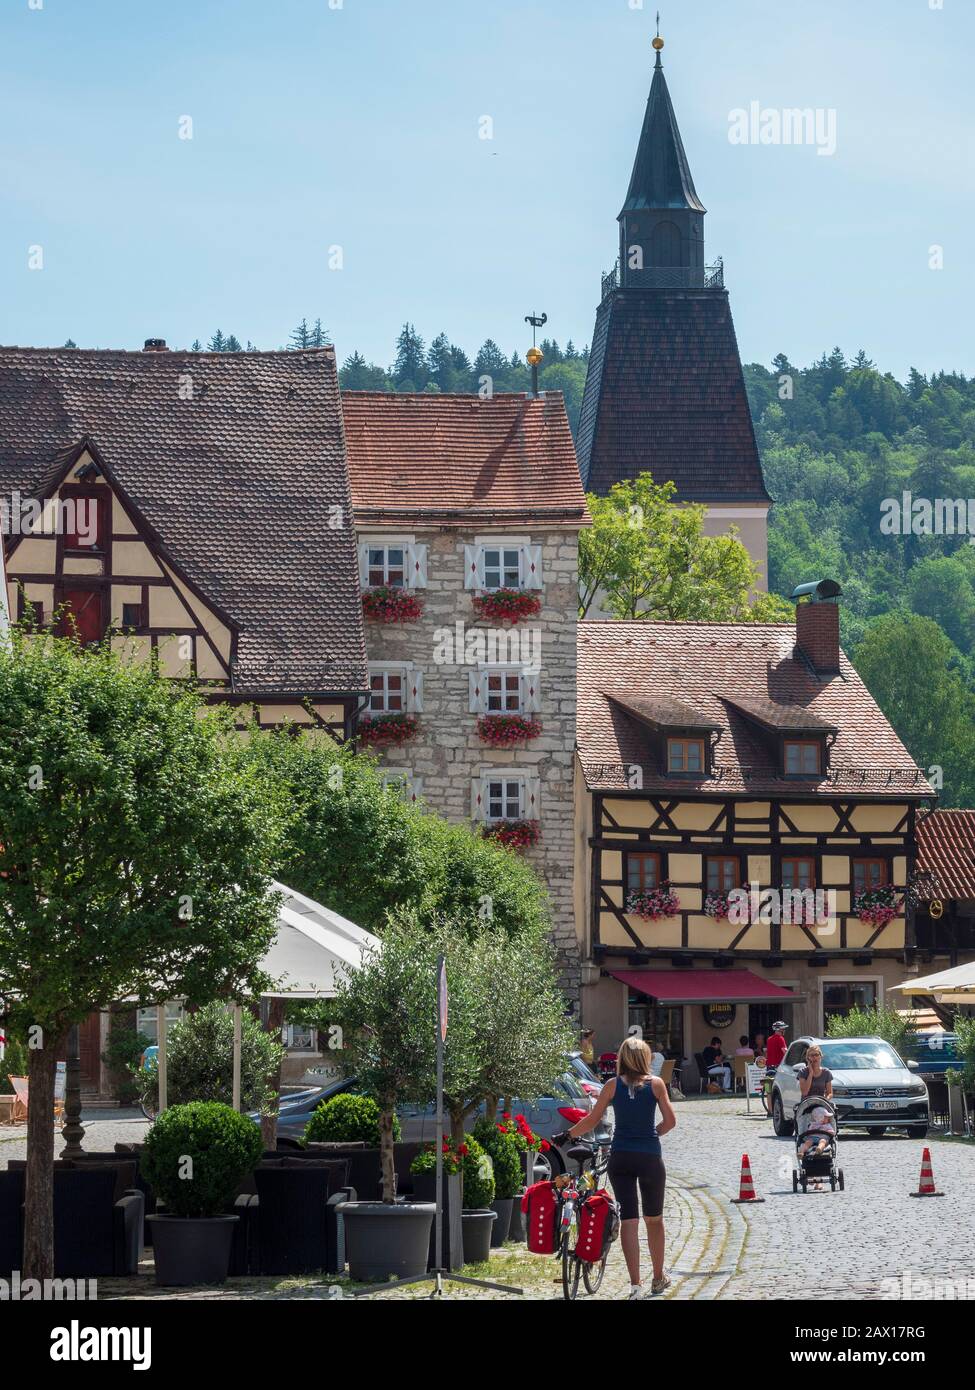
<point x="661" y="175"/>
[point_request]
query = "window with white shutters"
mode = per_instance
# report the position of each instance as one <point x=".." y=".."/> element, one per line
<point x="503" y="563"/>
<point x="394" y="562"/>
<point x="394" y="688"/>
<point x="505" y="794"/>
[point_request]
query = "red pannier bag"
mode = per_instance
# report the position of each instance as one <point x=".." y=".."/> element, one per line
<point x="540" y="1204"/>
<point x="599" y="1224"/>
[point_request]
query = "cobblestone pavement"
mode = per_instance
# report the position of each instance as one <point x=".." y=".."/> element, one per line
<point x="872" y="1241"/>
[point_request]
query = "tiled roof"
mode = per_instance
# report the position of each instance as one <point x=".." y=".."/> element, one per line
<point x="699" y="664"/>
<point x="779" y="716"/>
<point x="458" y="457"/>
<point x="665" y="395"/>
<point x="240" y="483"/>
<point x="946" y="848"/>
<point x="663" y="713"/>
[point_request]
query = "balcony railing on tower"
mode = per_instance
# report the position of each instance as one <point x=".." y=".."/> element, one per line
<point x="667" y="277"/>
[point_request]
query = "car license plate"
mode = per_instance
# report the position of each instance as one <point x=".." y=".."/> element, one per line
<point x="880" y="1105"/>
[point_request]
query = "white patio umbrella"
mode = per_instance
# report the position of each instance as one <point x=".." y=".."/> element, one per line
<point x="313" y="947"/>
<point x="945" y="985"/>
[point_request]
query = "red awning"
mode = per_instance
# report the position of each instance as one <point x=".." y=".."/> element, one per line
<point x="703" y="986"/>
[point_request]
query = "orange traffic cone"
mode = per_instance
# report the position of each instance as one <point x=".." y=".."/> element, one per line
<point x="926" y="1187"/>
<point x="746" y="1188"/>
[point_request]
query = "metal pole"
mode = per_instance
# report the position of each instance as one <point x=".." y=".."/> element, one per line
<point x="161" y="1055"/>
<point x="236" y="1083"/>
<point x="438" y="1218"/>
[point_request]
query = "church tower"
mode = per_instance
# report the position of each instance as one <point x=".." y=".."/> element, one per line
<point x="665" y="392"/>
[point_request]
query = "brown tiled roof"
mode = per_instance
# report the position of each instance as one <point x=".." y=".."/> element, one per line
<point x="665" y="395"/>
<point x="946" y="848"/>
<point x="663" y="713"/>
<point x="707" y="665"/>
<point x="455" y="457"/>
<point x="238" y="484"/>
<point x="780" y="717"/>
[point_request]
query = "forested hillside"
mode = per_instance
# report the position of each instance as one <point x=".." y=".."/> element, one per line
<point x="838" y="439"/>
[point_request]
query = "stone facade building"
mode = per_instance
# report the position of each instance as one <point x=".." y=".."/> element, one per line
<point x="461" y="504"/>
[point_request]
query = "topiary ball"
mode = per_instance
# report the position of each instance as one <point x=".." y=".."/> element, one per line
<point x="347" y="1119"/>
<point x="195" y="1156"/>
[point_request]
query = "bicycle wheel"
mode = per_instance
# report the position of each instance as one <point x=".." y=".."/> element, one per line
<point x="570" y="1264"/>
<point x="592" y="1273"/>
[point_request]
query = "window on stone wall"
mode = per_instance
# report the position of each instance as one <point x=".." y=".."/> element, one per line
<point x="386" y="692"/>
<point x="502" y="568"/>
<point x="386" y="566"/>
<point x="506" y="798"/>
<point x="503" y="692"/>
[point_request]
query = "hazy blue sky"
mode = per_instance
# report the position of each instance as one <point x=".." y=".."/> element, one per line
<point x="357" y="127"/>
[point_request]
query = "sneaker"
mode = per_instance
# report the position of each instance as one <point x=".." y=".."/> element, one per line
<point x="660" y="1284"/>
<point x="636" y="1291"/>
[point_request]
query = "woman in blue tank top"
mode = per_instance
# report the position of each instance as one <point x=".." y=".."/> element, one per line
<point x="635" y="1159"/>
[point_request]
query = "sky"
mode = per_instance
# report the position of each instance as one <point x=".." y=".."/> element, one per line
<point x="337" y="168"/>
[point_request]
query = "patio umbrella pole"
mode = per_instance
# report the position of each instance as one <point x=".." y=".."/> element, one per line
<point x="161" y="1055"/>
<point x="236" y="1083"/>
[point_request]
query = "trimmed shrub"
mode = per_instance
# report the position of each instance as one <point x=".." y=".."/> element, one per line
<point x="195" y="1156"/>
<point x="478" y="1177"/>
<point x="200" y="1061"/>
<point x="505" y="1157"/>
<point x="122" y="1055"/>
<point x="347" y="1119"/>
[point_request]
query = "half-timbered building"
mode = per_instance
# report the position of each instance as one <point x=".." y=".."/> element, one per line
<point x="737" y="764"/>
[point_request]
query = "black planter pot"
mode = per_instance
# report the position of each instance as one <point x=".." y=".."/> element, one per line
<point x="477" y="1235"/>
<point x="501" y="1205"/>
<point x="517" y="1230"/>
<point x="191" y="1249"/>
<point x="425" y="1190"/>
<point x="384" y="1240"/>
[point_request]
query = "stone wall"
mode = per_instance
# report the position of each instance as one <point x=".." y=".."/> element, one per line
<point x="447" y="753"/>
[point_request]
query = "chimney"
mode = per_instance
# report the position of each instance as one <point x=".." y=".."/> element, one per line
<point x="818" y="625"/>
<point x="155" y="345"/>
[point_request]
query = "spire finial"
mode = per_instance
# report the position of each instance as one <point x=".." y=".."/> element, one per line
<point x="658" y="42"/>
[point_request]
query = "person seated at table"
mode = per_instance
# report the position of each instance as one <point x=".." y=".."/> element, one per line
<point x="716" y="1065"/>
<point x="657" y="1065"/>
<point x="744" y="1048"/>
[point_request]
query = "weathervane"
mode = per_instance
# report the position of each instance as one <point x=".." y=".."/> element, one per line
<point x="534" y="354"/>
<point x="657" y="42"/>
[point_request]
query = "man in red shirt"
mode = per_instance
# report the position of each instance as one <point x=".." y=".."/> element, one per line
<point x="776" y="1047"/>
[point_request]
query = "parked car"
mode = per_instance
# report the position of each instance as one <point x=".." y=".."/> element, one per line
<point x="584" y="1074"/>
<point x="873" y="1088"/>
<point x="550" y="1114"/>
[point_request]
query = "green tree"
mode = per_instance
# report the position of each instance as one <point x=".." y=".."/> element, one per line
<point x="410" y="368"/>
<point x="135" y="861"/>
<point x="913" y="672"/>
<point x="200" y="1061"/>
<point x="650" y="559"/>
<point x="356" y="374"/>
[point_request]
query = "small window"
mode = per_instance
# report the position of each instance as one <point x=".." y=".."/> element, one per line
<point x="869" y="873"/>
<point x="642" y="872"/>
<point x="723" y="873"/>
<point x="82" y="522"/>
<point x="502" y="568"/>
<point x="799" y="873"/>
<point x="506" y="799"/>
<point x="131" y="615"/>
<point x="503" y="692"/>
<point x="386" y="692"/>
<point x="386" y="566"/>
<point x="802" y="758"/>
<point x="685" y="755"/>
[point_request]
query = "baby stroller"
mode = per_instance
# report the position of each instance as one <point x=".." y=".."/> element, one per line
<point x="815" y="1166"/>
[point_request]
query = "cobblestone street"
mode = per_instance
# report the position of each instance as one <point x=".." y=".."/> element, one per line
<point x="824" y="1245"/>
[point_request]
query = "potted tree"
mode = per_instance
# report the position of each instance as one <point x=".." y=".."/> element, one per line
<point x="388" y="1006"/>
<point x="194" y="1158"/>
<point x="497" y="1142"/>
<point x="478" y="1216"/>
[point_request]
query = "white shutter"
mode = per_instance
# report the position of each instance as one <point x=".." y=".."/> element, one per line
<point x="415" y="689"/>
<point x="531" y="560"/>
<point x="477" y="681"/>
<point x="478" y="799"/>
<point x="530" y="694"/>
<point x="533" y="798"/>
<point x="473" y="567"/>
<point x="417" y="555"/>
<point x="364" y="566"/>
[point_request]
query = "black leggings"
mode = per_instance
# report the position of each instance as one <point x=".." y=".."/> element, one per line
<point x="626" y="1170"/>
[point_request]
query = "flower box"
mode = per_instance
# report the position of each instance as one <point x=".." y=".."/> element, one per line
<point x="717" y="905"/>
<point x="507" y="605"/>
<point x="382" y="730"/>
<point x="654" y="903"/>
<point x="390" y="605"/>
<point x="506" y="730"/>
<point x="514" y="834"/>
<point x="878" y="905"/>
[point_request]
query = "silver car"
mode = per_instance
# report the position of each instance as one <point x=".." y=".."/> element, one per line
<point x="872" y="1087"/>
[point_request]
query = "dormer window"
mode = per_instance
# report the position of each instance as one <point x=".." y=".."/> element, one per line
<point x="803" y="757"/>
<point x="685" y="755"/>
